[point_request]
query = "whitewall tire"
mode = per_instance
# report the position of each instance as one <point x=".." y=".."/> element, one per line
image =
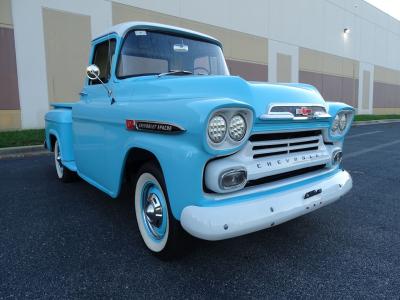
<point x="63" y="173"/>
<point x="161" y="232"/>
<point x="151" y="212"/>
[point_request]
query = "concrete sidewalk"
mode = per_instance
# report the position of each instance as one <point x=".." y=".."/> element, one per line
<point x="13" y="152"/>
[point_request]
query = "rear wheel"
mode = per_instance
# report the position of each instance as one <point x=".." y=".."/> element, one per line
<point x="63" y="173"/>
<point x="161" y="233"/>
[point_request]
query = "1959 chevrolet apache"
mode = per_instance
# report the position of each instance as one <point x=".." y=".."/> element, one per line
<point x="203" y="151"/>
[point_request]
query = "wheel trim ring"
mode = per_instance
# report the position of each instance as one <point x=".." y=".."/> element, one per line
<point x="157" y="233"/>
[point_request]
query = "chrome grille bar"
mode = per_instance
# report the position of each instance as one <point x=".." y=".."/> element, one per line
<point x="286" y="143"/>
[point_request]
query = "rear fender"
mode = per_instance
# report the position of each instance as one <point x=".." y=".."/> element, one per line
<point x="59" y="126"/>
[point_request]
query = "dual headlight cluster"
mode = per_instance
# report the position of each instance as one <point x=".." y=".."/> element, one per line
<point x="218" y="128"/>
<point x="227" y="128"/>
<point x="341" y="123"/>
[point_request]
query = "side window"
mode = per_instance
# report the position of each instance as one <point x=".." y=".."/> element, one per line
<point x="103" y="54"/>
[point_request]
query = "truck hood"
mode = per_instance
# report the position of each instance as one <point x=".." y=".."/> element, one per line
<point x="258" y="95"/>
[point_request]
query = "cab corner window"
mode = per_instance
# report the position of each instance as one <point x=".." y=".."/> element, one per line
<point x="103" y="55"/>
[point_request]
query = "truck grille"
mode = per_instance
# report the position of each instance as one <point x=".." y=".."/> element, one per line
<point x="271" y="144"/>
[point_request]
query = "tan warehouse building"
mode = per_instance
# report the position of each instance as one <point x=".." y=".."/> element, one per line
<point x="348" y="49"/>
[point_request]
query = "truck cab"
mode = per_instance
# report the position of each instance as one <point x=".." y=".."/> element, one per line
<point x="205" y="153"/>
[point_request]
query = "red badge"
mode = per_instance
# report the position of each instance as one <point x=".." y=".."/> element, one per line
<point x="130" y="124"/>
<point x="303" y="111"/>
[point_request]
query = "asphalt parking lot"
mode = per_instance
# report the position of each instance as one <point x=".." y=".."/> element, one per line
<point x="72" y="241"/>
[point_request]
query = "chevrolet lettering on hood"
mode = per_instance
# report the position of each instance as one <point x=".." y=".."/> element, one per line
<point x="290" y="160"/>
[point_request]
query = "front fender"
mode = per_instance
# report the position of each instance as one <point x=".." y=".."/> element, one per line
<point x="182" y="165"/>
<point x="183" y="156"/>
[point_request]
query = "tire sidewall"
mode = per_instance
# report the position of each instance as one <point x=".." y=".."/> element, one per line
<point x="59" y="166"/>
<point x="143" y="179"/>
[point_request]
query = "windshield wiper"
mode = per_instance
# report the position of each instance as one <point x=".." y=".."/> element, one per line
<point x="176" y="72"/>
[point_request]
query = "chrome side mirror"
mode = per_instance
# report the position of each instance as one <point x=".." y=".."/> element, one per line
<point x="93" y="72"/>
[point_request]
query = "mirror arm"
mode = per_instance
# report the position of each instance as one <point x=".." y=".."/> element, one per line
<point x="93" y="72"/>
<point x="109" y="92"/>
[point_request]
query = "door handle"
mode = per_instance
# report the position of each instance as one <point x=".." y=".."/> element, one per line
<point x="83" y="93"/>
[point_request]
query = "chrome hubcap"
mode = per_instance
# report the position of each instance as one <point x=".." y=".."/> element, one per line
<point x="153" y="211"/>
<point x="58" y="158"/>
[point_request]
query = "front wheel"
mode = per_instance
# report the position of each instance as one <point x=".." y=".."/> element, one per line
<point x="161" y="233"/>
<point x="63" y="173"/>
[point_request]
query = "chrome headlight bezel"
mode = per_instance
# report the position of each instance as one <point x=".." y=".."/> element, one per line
<point x="338" y="128"/>
<point x="228" y="142"/>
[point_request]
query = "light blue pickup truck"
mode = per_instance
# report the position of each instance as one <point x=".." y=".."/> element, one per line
<point x="204" y="153"/>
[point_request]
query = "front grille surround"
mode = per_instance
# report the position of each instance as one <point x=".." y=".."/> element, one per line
<point x="274" y="157"/>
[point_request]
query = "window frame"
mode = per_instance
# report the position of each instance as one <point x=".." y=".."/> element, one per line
<point x="95" y="45"/>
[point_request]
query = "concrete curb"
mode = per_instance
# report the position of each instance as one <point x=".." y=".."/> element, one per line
<point x="372" y="122"/>
<point x="13" y="152"/>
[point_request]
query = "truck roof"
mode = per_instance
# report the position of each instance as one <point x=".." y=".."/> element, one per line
<point x="122" y="28"/>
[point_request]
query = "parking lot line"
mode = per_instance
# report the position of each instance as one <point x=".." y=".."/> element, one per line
<point x="371" y="149"/>
<point x="365" y="133"/>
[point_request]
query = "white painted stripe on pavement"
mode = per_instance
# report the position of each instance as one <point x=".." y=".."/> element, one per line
<point x="371" y="149"/>
<point x="362" y="134"/>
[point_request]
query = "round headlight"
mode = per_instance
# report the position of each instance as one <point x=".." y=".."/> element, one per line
<point x="217" y="129"/>
<point x="237" y="128"/>
<point x="335" y="124"/>
<point x="342" y="122"/>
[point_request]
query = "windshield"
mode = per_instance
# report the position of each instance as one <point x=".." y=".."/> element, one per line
<point x="150" y="53"/>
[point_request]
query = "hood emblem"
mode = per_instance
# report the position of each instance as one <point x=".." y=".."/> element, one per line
<point x="304" y="111"/>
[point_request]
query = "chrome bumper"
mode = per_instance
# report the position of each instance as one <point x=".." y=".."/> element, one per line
<point x="226" y="221"/>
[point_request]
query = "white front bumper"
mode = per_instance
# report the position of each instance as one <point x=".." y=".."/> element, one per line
<point x="226" y="221"/>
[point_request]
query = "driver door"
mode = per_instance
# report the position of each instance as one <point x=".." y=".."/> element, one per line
<point x="88" y="115"/>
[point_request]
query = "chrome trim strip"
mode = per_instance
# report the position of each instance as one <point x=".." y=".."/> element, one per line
<point x="270" y="115"/>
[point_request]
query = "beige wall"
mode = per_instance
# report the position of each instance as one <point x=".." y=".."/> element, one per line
<point x="319" y="62"/>
<point x="67" y="44"/>
<point x="5" y="13"/>
<point x="284" y="63"/>
<point x="366" y="85"/>
<point x="335" y="77"/>
<point x="386" y="89"/>
<point x="237" y="45"/>
<point x="10" y="119"/>
<point x="386" y="111"/>
<point x="386" y="75"/>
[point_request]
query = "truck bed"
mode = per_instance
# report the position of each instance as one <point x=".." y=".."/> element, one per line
<point x="66" y="105"/>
